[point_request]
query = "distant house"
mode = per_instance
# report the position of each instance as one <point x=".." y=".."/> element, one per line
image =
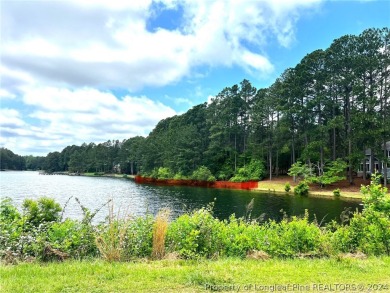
<point x="373" y="164"/>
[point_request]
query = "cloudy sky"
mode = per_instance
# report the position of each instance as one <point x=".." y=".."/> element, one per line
<point x="79" y="71"/>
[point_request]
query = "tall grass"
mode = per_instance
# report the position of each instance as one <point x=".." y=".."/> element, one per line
<point x="111" y="239"/>
<point x="160" y="229"/>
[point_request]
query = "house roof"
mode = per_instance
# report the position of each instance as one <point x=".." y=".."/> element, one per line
<point x="368" y="151"/>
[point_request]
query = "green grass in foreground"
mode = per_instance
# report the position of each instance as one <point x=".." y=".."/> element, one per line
<point x="192" y="276"/>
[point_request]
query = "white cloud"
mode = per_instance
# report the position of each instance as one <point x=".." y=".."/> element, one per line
<point x="73" y="117"/>
<point x="4" y="94"/>
<point x="107" y="44"/>
<point x="10" y="117"/>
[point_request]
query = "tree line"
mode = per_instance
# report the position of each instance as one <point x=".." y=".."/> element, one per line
<point x="333" y="105"/>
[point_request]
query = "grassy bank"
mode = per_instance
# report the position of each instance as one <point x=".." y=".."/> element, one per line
<point x="346" y="190"/>
<point x="278" y="186"/>
<point x="194" y="276"/>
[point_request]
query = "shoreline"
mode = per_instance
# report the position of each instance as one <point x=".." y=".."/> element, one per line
<point x="275" y="186"/>
<point x="355" y="196"/>
<point x="198" y="183"/>
<point x="254" y="186"/>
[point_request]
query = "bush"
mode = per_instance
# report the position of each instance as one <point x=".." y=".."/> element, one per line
<point x="73" y="237"/>
<point x="254" y="171"/>
<point x="337" y="192"/>
<point x="376" y="197"/>
<point x="180" y="176"/>
<point x="301" y="189"/>
<point x="368" y="231"/>
<point x="8" y="213"/>
<point x="334" y="172"/>
<point x="287" y="187"/>
<point x="41" y="210"/>
<point x="203" y="174"/>
<point x="241" y="175"/>
<point x="194" y="235"/>
<point x="160" y="173"/>
<point x="293" y="237"/>
<point x="300" y="170"/>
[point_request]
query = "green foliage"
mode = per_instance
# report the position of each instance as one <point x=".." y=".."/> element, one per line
<point x="287" y="187"/>
<point x="139" y="237"/>
<point x="293" y="237"/>
<point x="368" y="231"/>
<point x="180" y="176"/>
<point x="300" y="170"/>
<point x="375" y="196"/>
<point x="72" y="237"/>
<point x="334" y="172"/>
<point x="8" y="212"/>
<point x="11" y="161"/>
<point x="40" y="211"/>
<point x="203" y="174"/>
<point x="225" y="172"/>
<point x="337" y="192"/>
<point x="254" y="171"/>
<point x="162" y="173"/>
<point x="301" y="189"/>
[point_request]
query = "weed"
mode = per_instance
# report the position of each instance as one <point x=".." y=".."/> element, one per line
<point x="159" y="233"/>
<point x="111" y="239"/>
<point x="287" y="187"/>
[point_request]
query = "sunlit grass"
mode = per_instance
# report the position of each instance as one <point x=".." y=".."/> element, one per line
<point x="279" y="187"/>
<point x="189" y="276"/>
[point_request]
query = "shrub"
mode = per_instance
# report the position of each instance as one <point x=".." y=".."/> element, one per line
<point x="293" y="237"/>
<point x="337" y="192"/>
<point x="139" y="237"/>
<point x="73" y="237"/>
<point x="194" y="235"/>
<point x="203" y="174"/>
<point x="226" y="171"/>
<point x="334" y="172"/>
<point x="287" y="187"/>
<point x="375" y="196"/>
<point x="301" y="189"/>
<point x="41" y="210"/>
<point x="180" y="176"/>
<point x="254" y="171"/>
<point x="368" y="231"/>
<point x="300" y="170"/>
<point x="241" y="175"/>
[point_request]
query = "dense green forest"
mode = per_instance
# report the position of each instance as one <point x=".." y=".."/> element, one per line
<point x="333" y="104"/>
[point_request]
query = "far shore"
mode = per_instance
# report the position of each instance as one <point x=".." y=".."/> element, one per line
<point x="276" y="185"/>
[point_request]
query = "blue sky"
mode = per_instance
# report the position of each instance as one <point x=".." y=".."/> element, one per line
<point x="87" y="71"/>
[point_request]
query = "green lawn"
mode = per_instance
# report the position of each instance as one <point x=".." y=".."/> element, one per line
<point x="193" y="276"/>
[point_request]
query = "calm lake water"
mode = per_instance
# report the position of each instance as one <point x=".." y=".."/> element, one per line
<point x="140" y="199"/>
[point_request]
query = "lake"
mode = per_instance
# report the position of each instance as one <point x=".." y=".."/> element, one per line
<point x="139" y="199"/>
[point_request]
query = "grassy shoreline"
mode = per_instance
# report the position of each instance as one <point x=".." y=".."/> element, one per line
<point x="278" y="187"/>
<point x="193" y="276"/>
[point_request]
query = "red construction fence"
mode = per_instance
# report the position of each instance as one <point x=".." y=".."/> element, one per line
<point x="217" y="184"/>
